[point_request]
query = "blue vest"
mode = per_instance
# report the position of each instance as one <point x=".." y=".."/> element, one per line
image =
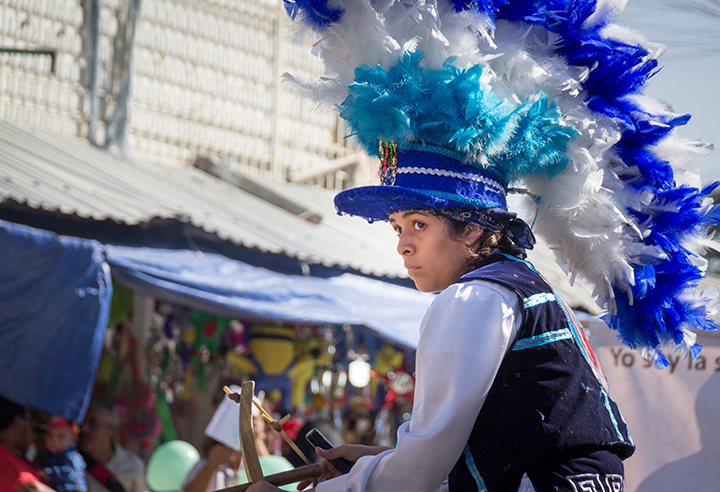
<point x="549" y="394"/>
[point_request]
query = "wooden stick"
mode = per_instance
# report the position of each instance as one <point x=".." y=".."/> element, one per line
<point x="264" y="413"/>
<point x="277" y="427"/>
<point x="294" y="446"/>
<point x="283" y="478"/>
<point x="247" y="436"/>
<point x="275" y="424"/>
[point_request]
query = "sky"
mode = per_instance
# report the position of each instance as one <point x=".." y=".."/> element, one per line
<point x="690" y="76"/>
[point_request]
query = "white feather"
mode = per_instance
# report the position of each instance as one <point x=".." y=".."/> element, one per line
<point x="604" y="9"/>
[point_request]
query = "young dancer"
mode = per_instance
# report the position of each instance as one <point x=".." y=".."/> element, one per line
<point x="461" y="101"/>
<point x="506" y="383"/>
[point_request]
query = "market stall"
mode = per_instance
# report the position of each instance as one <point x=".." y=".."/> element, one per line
<point x="339" y="349"/>
<point x="181" y="322"/>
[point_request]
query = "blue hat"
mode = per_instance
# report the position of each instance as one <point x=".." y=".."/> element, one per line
<point x="435" y="178"/>
<point x="423" y="177"/>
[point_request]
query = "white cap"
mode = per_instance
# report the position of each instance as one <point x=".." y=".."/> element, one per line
<point x="224" y="426"/>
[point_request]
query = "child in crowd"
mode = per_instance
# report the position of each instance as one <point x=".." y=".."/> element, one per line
<point x="62" y="463"/>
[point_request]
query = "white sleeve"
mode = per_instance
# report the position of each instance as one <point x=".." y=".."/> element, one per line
<point x="463" y="339"/>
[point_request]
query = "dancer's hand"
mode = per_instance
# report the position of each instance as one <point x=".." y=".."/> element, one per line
<point x="351" y="452"/>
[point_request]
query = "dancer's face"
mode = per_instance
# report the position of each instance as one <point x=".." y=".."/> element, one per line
<point x="433" y="259"/>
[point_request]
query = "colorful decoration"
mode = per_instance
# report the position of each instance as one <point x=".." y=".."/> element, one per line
<point x="209" y="330"/>
<point x="387" y="359"/>
<point x="302" y="372"/>
<point x="162" y="408"/>
<point x="387" y="170"/>
<point x="138" y="415"/>
<point x="303" y="364"/>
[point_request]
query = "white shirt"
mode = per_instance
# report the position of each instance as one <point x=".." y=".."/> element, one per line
<point x="463" y="338"/>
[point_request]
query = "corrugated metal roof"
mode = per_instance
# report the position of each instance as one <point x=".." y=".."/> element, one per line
<point x="70" y="176"/>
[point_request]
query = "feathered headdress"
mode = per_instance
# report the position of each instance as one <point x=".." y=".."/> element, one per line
<point x="462" y="99"/>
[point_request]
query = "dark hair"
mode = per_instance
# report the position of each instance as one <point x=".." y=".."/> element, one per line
<point x="483" y="247"/>
<point x="8" y="411"/>
<point x="113" y="420"/>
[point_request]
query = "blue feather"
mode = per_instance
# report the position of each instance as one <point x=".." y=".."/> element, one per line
<point x="644" y="280"/>
<point x="695" y="351"/>
<point x="316" y="14"/>
<point x="490" y="7"/>
<point x="451" y="108"/>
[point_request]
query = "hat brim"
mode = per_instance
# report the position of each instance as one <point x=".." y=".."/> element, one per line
<point x="375" y="203"/>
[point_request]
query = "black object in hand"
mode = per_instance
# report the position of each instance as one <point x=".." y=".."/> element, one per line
<point x="316" y="438"/>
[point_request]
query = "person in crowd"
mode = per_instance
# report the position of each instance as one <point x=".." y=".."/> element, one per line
<point x="220" y="465"/>
<point x="109" y="465"/>
<point x="17" y="474"/>
<point x="62" y="463"/>
<point x="218" y="468"/>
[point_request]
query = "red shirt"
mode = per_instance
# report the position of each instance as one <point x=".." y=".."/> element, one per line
<point x="14" y="471"/>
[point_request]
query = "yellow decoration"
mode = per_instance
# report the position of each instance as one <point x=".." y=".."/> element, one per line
<point x="189" y="336"/>
<point x="273" y="347"/>
<point x="302" y="373"/>
<point x="388" y="359"/>
<point x="186" y="393"/>
<point x="241" y="363"/>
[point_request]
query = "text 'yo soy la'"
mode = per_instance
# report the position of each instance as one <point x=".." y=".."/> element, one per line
<point x="623" y="357"/>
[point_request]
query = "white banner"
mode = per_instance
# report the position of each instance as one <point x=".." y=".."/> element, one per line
<point x="673" y="414"/>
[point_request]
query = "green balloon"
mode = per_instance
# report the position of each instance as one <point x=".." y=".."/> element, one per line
<point x="169" y="465"/>
<point x="270" y="465"/>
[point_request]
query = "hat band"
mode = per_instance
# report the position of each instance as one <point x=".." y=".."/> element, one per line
<point x="438" y="172"/>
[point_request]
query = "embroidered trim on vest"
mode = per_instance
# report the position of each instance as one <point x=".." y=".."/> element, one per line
<point x="594" y="481"/>
<point x="537" y="299"/>
<point x="606" y="400"/>
<point x="527" y="263"/>
<point x="542" y="339"/>
<point x="470" y="462"/>
<point x="584" y="345"/>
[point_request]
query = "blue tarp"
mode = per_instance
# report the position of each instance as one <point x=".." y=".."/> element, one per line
<point x="54" y="303"/>
<point x="216" y="284"/>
